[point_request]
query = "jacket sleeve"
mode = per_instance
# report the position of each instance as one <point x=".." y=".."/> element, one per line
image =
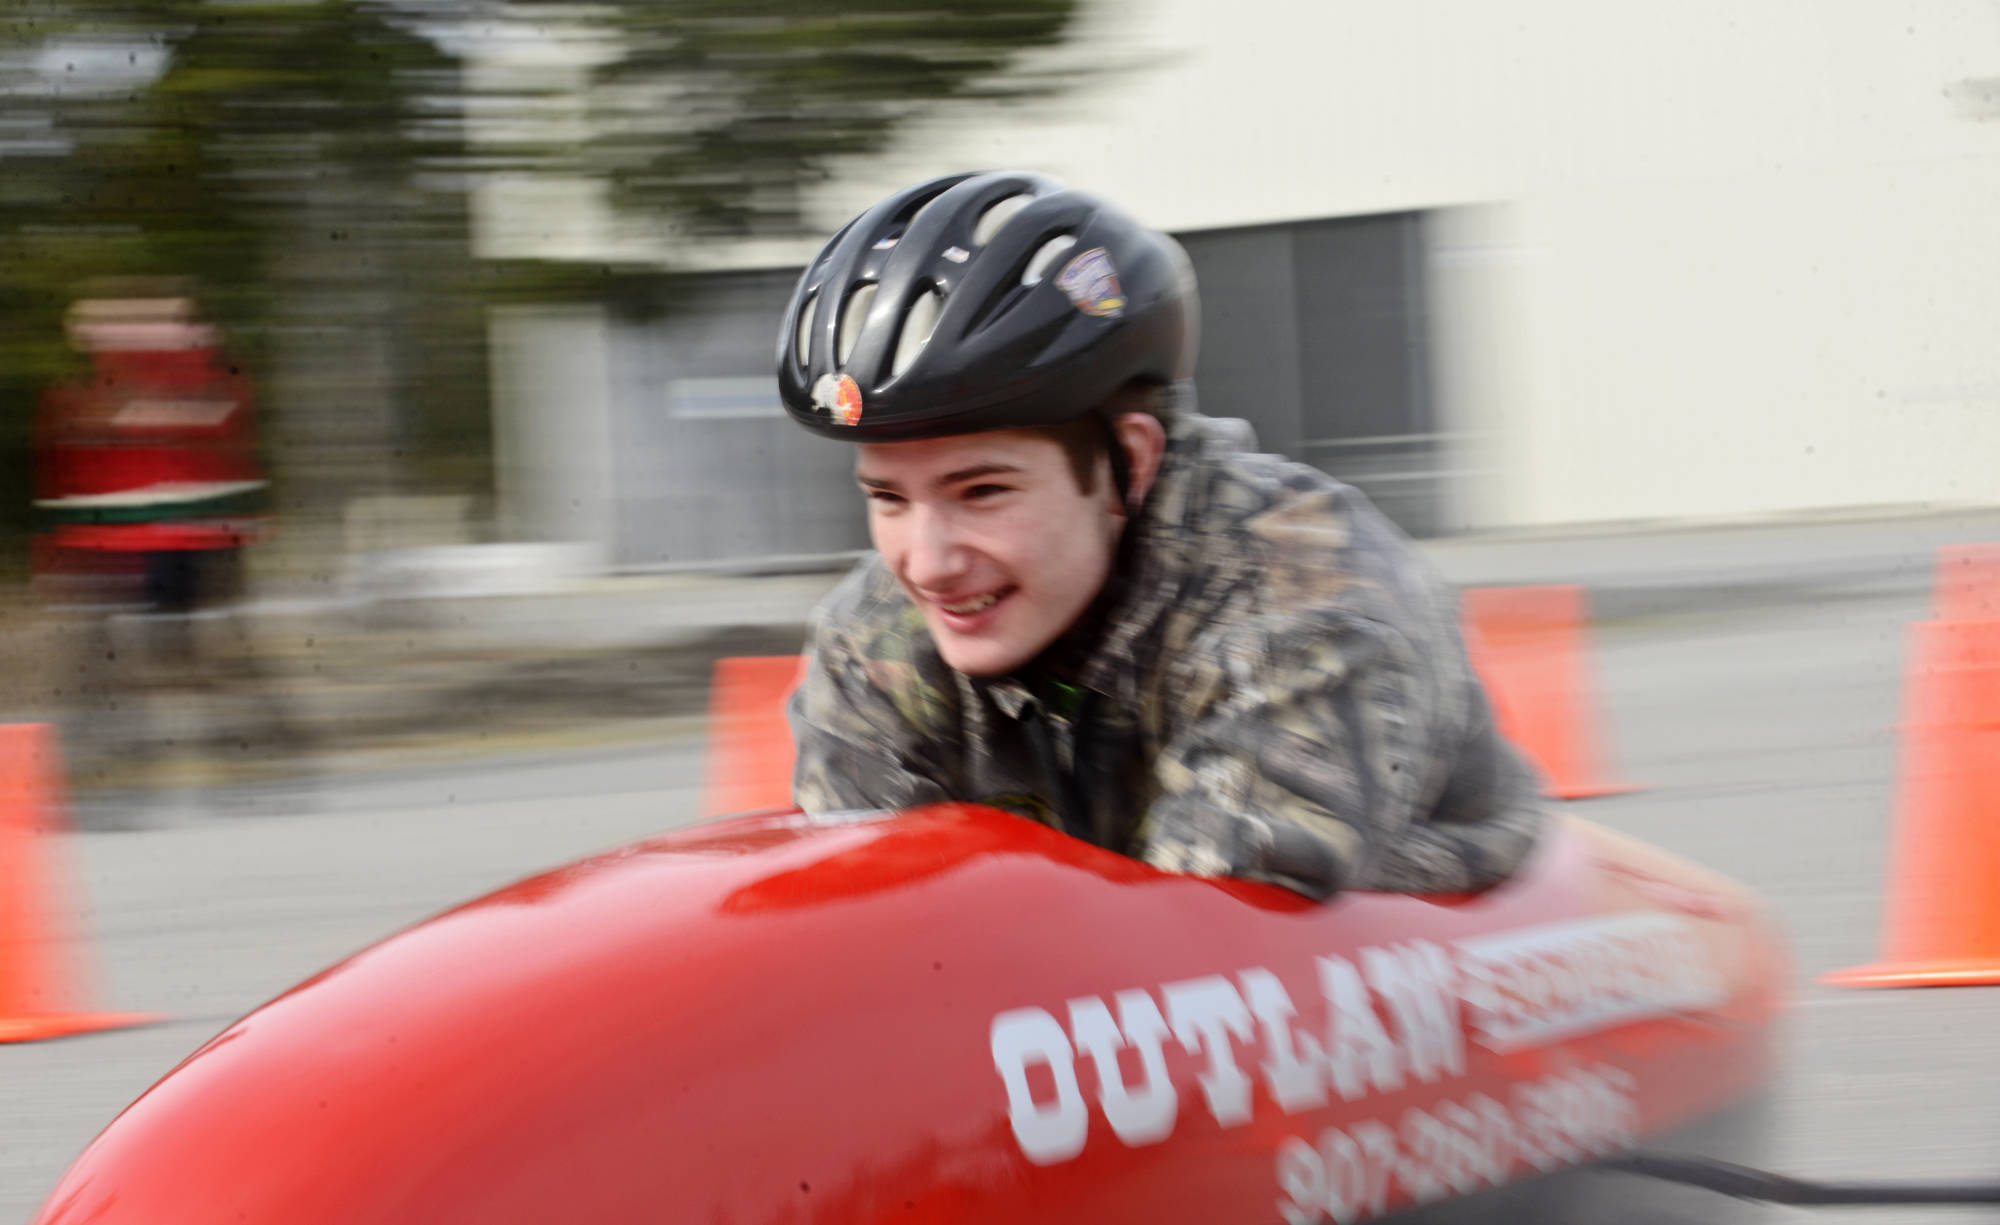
<point x="857" y="748"/>
<point x="1310" y="748"/>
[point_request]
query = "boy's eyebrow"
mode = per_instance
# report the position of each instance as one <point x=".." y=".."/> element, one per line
<point x="990" y="468"/>
<point x="954" y="477"/>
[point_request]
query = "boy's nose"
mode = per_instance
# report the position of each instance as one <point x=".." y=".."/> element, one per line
<point x="935" y="559"/>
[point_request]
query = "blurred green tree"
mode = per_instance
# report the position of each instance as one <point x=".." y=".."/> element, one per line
<point x="723" y="114"/>
<point x="276" y="153"/>
<point x="308" y="162"/>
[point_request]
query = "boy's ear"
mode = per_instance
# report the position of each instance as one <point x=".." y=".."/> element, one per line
<point x="1145" y="442"/>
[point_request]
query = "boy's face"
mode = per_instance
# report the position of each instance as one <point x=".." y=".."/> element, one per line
<point x="992" y="539"/>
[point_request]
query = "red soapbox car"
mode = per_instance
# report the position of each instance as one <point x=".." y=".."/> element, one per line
<point x="955" y="1015"/>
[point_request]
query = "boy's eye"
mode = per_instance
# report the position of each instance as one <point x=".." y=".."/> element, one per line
<point x="985" y="491"/>
<point x="882" y="497"/>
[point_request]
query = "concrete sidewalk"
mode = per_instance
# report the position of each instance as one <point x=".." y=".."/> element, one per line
<point x="615" y="656"/>
<point x="1629" y="569"/>
<point x="1642" y="570"/>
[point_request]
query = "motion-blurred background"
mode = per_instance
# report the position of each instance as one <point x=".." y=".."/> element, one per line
<point x="1692" y="305"/>
<point x="500" y="279"/>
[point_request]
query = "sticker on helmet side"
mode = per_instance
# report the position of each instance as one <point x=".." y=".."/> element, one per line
<point x="1091" y="284"/>
<point x="840" y="396"/>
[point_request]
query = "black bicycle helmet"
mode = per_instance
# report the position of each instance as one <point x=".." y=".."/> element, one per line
<point x="982" y="301"/>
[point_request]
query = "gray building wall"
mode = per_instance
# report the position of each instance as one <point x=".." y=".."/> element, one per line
<point x="1318" y="334"/>
<point x="1315" y="332"/>
<point x="706" y="464"/>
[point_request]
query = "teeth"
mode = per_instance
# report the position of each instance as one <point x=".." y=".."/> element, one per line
<point x="972" y="606"/>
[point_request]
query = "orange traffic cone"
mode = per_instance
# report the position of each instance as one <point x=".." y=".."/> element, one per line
<point x="1968" y="583"/>
<point x="750" y="745"/>
<point x="1941" y="925"/>
<point x="38" y="999"/>
<point x="1528" y="645"/>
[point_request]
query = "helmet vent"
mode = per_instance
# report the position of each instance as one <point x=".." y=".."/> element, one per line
<point x="802" y="342"/>
<point x="999" y="213"/>
<point x="921" y="210"/>
<point x="918" y="324"/>
<point x="1047" y="254"/>
<point x="852" y="315"/>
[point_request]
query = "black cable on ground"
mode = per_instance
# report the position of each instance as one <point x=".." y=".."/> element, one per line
<point x="1746" y="1183"/>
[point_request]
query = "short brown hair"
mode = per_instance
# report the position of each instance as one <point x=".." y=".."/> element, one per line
<point x="1087" y="439"/>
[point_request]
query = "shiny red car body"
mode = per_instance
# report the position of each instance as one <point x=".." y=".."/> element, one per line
<point x="955" y="1015"/>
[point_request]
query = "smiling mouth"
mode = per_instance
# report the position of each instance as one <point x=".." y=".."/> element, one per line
<point x="977" y="604"/>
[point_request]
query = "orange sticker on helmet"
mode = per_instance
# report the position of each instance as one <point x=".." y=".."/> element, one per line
<point x="840" y="396"/>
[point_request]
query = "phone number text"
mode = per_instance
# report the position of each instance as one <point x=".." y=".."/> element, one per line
<point x="1455" y="1147"/>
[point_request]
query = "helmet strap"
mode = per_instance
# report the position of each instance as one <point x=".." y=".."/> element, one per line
<point x="1121" y="463"/>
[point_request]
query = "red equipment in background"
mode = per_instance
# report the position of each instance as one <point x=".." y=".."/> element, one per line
<point x="154" y="451"/>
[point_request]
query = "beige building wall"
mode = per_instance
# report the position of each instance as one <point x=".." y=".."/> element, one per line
<point x="1760" y="344"/>
<point x="1707" y="259"/>
<point x="1710" y="258"/>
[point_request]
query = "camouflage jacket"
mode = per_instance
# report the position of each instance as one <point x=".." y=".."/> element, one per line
<point x="1276" y="690"/>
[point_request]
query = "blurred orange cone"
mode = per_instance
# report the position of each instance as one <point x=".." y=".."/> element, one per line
<point x="1968" y="583"/>
<point x="37" y="996"/>
<point x="1528" y="645"/>
<point x="749" y="743"/>
<point x="1941" y="924"/>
